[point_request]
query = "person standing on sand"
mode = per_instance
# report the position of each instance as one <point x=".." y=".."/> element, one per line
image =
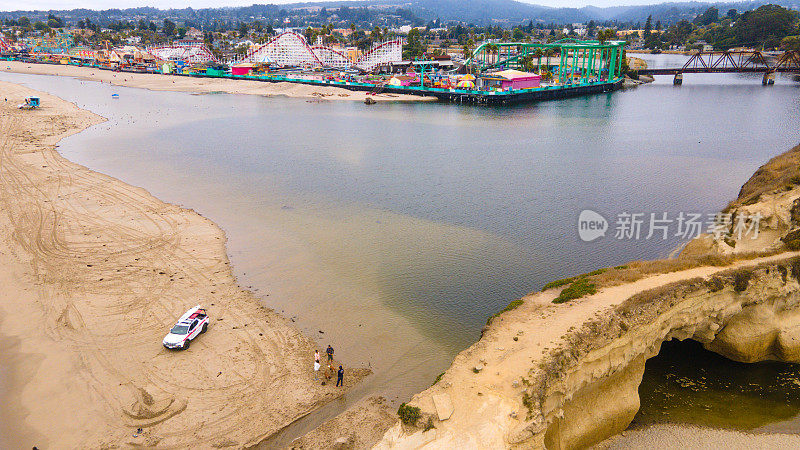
<point x="340" y="377"/>
<point x="316" y="370"/>
<point x="329" y="351"/>
<point x="316" y="355"/>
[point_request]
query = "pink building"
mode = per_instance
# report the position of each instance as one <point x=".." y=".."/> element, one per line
<point x="511" y="79"/>
<point x="242" y="69"/>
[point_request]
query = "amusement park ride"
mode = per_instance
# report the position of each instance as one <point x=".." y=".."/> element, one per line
<point x="4" y="46"/>
<point x="56" y="44"/>
<point x="292" y="49"/>
<point x="545" y="71"/>
<point x="573" y="58"/>
<point x="188" y="51"/>
<point x="286" y="49"/>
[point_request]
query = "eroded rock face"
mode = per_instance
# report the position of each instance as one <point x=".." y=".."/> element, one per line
<point x="586" y="389"/>
<point x="577" y="427"/>
<point x="758" y="323"/>
<point x="778" y="227"/>
<point x="750" y="336"/>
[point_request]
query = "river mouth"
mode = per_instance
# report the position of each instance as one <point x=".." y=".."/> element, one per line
<point x="688" y="384"/>
<point x="394" y="232"/>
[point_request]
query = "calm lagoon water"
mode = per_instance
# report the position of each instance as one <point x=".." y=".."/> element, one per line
<point x="687" y="384"/>
<point x="397" y="229"/>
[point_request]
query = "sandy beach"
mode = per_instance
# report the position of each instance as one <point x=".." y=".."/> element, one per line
<point x="698" y="438"/>
<point x="158" y="82"/>
<point x="94" y="272"/>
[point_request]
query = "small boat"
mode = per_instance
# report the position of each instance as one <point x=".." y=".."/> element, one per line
<point x="115" y="96"/>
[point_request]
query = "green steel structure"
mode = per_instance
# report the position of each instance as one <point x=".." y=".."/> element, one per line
<point x="577" y="61"/>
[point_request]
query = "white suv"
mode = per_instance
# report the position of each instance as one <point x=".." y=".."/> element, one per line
<point x="192" y="324"/>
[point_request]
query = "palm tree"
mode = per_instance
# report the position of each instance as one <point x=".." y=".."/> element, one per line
<point x="493" y="49"/>
<point x="548" y="53"/>
<point x="538" y="54"/>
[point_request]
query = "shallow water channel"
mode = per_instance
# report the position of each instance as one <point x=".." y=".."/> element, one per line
<point x="393" y="231"/>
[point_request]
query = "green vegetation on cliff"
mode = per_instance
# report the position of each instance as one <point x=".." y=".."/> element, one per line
<point x="408" y="414"/>
<point x="579" y="288"/>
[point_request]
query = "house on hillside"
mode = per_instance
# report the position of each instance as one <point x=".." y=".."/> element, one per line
<point x="706" y="47"/>
<point x="193" y="34"/>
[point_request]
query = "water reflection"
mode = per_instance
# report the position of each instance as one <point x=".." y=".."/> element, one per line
<point x="687" y="384"/>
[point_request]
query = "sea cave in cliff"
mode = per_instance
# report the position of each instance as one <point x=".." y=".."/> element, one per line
<point x="685" y="383"/>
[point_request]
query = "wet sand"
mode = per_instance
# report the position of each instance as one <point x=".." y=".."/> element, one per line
<point x="158" y="82"/>
<point x="316" y="293"/>
<point x="698" y="438"/>
<point x="94" y="272"/>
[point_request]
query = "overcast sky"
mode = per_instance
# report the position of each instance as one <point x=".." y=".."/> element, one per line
<point x="13" y="5"/>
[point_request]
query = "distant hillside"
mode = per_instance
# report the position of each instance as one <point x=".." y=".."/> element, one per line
<point x="484" y="12"/>
<point x="500" y="11"/>
<point x="674" y="12"/>
<point x="479" y="12"/>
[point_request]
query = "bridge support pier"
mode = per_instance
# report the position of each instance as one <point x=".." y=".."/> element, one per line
<point x="678" y="80"/>
<point x="769" y="79"/>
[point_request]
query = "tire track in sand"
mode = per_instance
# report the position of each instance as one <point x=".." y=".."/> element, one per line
<point x="113" y="267"/>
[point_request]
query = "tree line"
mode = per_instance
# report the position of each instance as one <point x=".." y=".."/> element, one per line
<point x="766" y="27"/>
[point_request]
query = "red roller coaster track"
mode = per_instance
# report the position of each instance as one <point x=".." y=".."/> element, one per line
<point x="323" y="48"/>
<point x="189" y="53"/>
<point x="291" y="49"/>
<point x="3" y="44"/>
<point x="365" y="58"/>
<point x="296" y="38"/>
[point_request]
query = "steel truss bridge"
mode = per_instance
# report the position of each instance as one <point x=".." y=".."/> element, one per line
<point x="733" y="62"/>
<point x="575" y="58"/>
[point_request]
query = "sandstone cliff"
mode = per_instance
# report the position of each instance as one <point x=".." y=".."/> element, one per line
<point x="567" y="375"/>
